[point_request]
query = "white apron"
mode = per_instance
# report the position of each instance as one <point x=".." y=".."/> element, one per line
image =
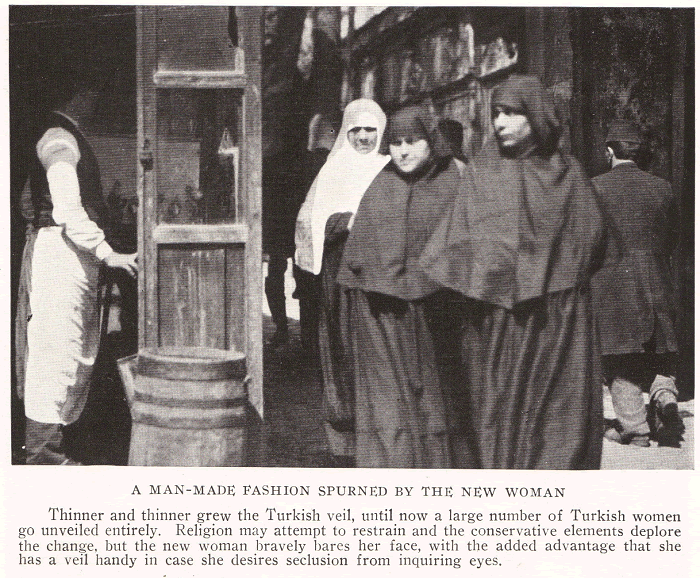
<point x="63" y="331"/>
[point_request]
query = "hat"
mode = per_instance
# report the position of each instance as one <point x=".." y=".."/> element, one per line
<point x="624" y="131"/>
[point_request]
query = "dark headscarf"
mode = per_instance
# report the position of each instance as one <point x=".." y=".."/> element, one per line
<point x="526" y="95"/>
<point x="417" y="122"/>
<point x="521" y="227"/>
<point x="398" y="214"/>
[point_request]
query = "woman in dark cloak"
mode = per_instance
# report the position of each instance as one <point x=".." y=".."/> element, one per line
<point x="400" y="417"/>
<point x="521" y="243"/>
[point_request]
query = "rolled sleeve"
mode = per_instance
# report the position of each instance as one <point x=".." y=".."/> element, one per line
<point x="103" y="250"/>
<point x="59" y="154"/>
<point x="58" y="145"/>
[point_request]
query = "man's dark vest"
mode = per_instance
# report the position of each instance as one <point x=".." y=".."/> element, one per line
<point x="36" y="199"/>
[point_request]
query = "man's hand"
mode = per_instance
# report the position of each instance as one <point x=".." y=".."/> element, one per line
<point x="123" y="261"/>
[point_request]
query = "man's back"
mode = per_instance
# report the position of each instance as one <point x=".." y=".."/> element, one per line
<point x="633" y="298"/>
<point x="642" y="207"/>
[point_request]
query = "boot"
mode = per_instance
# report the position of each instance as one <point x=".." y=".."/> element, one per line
<point x="627" y="439"/>
<point x="667" y="424"/>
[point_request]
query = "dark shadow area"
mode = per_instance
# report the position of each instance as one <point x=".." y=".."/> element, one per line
<point x="293" y="428"/>
<point x="101" y="436"/>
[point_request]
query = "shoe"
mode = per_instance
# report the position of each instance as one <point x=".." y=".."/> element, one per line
<point x="630" y="439"/>
<point x="641" y="441"/>
<point x="668" y="425"/>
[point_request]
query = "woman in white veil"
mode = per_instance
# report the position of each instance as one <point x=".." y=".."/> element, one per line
<point x="322" y="227"/>
<point x="342" y="180"/>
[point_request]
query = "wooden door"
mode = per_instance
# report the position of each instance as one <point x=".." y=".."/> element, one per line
<point x="199" y="147"/>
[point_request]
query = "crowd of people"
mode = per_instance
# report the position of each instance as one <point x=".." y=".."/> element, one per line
<point x="465" y="314"/>
<point x="469" y="314"/>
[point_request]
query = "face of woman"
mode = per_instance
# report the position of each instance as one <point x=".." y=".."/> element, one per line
<point x="512" y="128"/>
<point x="363" y="138"/>
<point x="409" y="154"/>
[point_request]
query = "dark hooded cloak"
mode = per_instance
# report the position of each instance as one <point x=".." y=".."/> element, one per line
<point x="400" y="415"/>
<point x="523" y="226"/>
<point x="398" y="213"/>
<point x="520" y="244"/>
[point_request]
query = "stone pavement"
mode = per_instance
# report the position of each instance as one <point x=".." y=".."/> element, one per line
<point x="618" y="457"/>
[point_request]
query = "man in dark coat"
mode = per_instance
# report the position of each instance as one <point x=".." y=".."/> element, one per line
<point x="283" y="140"/>
<point x="633" y="298"/>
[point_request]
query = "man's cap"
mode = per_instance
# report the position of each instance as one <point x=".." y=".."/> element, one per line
<point x="624" y="131"/>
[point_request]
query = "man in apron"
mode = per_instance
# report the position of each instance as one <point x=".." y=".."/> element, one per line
<point x="58" y="314"/>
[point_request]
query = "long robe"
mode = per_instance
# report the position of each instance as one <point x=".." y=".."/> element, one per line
<point x="534" y="383"/>
<point x="335" y="349"/>
<point x="400" y="413"/>
<point x="321" y="231"/>
<point x="400" y="416"/>
<point x="520" y="244"/>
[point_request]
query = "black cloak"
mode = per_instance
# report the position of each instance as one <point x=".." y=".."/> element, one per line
<point x="400" y="417"/>
<point x="520" y="244"/>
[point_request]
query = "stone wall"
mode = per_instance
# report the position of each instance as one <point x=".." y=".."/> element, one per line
<point x="627" y="72"/>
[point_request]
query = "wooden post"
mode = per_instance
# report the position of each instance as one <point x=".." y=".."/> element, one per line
<point x="582" y="141"/>
<point x="145" y="98"/>
<point x="252" y="20"/>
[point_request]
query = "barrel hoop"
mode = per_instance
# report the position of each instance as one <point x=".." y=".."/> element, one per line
<point x="191" y="364"/>
<point x="223" y="422"/>
<point x="190" y="403"/>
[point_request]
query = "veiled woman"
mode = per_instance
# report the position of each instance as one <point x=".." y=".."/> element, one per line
<point x="399" y="408"/>
<point x="322" y="229"/>
<point x="520" y="243"/>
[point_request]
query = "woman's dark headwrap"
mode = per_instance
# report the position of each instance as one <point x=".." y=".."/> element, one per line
<point x="526" y="95"/>
<point x="417" y="122"/>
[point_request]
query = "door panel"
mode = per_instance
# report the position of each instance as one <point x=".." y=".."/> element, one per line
<point x="191" y="297"/>
<point x="199" y="143"/>
<point x="236" y="297"/>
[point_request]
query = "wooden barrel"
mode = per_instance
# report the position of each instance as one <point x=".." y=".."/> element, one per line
<point x="189" y="407"/>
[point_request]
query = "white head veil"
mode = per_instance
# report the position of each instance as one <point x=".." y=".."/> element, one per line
<point x="340" y="184"/>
